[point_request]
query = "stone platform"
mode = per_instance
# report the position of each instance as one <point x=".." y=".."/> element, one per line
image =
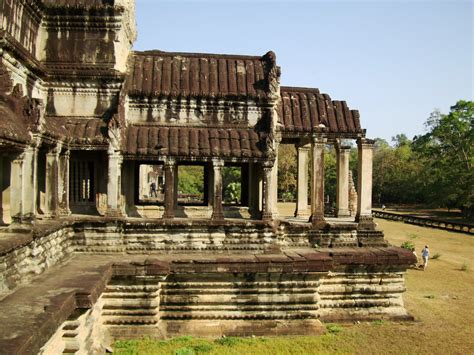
<point x="91" y="300"/>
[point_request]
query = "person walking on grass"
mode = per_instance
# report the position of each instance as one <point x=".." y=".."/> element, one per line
<point x="425" y="253"/>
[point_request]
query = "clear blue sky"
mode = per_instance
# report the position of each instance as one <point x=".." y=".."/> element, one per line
<point x="395" y="61"/>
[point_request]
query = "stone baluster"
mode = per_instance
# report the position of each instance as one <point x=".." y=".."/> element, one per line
<point x="317" y="184"/>
<point x="217" y="209"/>
<point x="364" y="184"/>
<point x="302" y="210"/>
<point x="170" y="187"/>
<point x="342" y="189"/>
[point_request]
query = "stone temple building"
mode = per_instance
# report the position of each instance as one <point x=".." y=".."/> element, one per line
<point x="92" y="138"/>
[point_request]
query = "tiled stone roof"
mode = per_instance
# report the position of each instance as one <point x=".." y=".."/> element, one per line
<point x="303" y="109"/>
<point x="192" y="142"/>
<point x="89" y="131"/>
<point x="157" y="73"/>
<point x="12" y="127"/>
<point x="78" y="3"/>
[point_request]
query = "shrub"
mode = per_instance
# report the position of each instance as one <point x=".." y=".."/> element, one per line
<point x="408" y="245"/>
<point x="430" y="297"/>
<point x="412" y="236"/>
<point x="333" y="328"/>
<point x="464" y="267"/>
<point x="203" y="348"/>
<point x="184" y="351"/>
<point x="228" y="341"/>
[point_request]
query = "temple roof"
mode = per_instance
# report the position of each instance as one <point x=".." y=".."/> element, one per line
<point x="77" y="131"/>
<point x="192" y="142"/>
<point x="12" y="127"/>
<point x="304" y="109"/>
<point x="157" y="73"/>
<point x="79" y="3"/>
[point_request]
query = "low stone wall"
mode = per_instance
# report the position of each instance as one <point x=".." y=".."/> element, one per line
<point x="426" y="222"/>
<point x="196" y="236"/>
<point x="27" y="253"/>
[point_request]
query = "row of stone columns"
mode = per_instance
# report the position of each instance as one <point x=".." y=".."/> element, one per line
<point x="364" y="208"/>
<point x="24" y="184"/>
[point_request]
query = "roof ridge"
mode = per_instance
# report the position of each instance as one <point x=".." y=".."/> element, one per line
<point x="196" y="54"/>
<point x="299" y="89"/>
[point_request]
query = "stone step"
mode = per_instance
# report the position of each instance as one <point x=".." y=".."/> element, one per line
<point x="239" y="315"/>
<point x="123" y="320"/>
<point x="237" y="308"/>
<point x="238" y="290"/>
<point x="237" y="299"/>
<point x="129" y="295"/>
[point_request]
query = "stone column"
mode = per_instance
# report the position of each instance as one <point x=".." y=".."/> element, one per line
<point x="16" y="187"/>
<point x="29" y="188"/>
<point x="114" y="178"/>
<point x="317" y="184"/>
<point x="52" y="182"/>
<point x="63" y="185"/>
<point x="302" y="209"/>
<point x="217" y="209"/>
<point x="364" y="184"/>
<point x="2" y="169"/>
<point x="23" y="186"/>
<point x="274" y="183"/>
<point x="267" y="214"/>
<point x="254" y="190"/>
<point x="170" y="176"/>
<point x="342" y="171"/>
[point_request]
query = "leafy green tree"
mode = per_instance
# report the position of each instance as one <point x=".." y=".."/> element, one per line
<point x="287" y="172"/>
<point x="231" y="182"/>
<point x="447" y="154"/>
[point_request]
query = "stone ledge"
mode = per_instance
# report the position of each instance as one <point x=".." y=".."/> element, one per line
<point x="33" y="313"/>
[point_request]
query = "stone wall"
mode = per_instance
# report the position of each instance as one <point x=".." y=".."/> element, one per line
<point x="144" y="237"/>
<point x="25" y="255"/>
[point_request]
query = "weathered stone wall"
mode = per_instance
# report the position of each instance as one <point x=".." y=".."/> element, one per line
<point x="27" y="256"/>
<point x="21" y="19"/>
<point x="144" y="237"/>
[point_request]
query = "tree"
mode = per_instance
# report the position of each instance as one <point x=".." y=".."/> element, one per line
<point x="447" y="153"/>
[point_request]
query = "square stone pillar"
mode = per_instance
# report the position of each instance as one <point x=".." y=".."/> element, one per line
<point x="16" y="187"/>
<point x="23" y="186"/>
<point x="5" y="190"/>
<point x="267" y="214"/>
<point x="63" y="185"/>
<point x="342" y="172"/>
<point x="273" y="184"/>
<point x="364" y="184"/>
<point x="317" y="184"/>
<point x="170" y="187"/>
<point x="255" y="198"/>
<point x="52" y="182"/>
<point x="114" y="179"/>
<point x="302" y="210"/>
<point x="217" y="209"/>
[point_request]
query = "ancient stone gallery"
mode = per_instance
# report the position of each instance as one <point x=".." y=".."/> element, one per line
<point x="98" y="243"/>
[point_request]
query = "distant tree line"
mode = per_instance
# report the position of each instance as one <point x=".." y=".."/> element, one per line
<point x="434" y="169"/>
